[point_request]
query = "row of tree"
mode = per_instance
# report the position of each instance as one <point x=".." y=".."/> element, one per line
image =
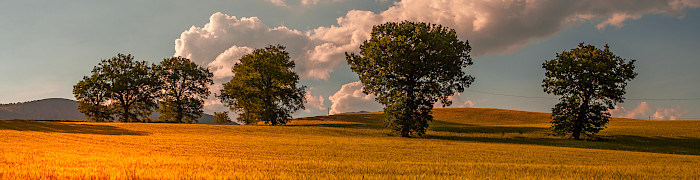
<point x="409" y="66"/>
<point x="131" y="90"/>
<point x="264" y="88"/>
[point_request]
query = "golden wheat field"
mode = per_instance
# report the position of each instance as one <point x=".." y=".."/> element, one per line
<point x="466" y="143"/>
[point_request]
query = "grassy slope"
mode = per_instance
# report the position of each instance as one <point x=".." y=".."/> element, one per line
<point x="479" y="143"/>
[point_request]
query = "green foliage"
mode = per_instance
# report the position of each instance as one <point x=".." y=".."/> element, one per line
<point x="221" y="118"/>
<point x="92" y="95"/>
<point x="590" y="81"/>
<point x="184" y="88"/>
<point x="264" y="87"/>
<point x="129" y="86"/>
<point x="409" y="66"/>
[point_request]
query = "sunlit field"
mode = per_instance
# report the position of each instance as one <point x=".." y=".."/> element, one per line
<point x="461" y="143"/>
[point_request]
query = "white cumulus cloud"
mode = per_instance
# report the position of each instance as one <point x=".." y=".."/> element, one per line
<point x="315" y="102"/>
<point x="223" y="63"/>
<point x="350" y="98"/>
<point x="642" y="111"/>
<point x="669" y="113"/>
<point x="278" y="2"/>
<point x="225" y="37"/>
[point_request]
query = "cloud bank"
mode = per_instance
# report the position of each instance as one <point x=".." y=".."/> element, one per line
<point x="640" y="112"/>
<point x="644" y="111"/>
<point x="491" y="27"/>
<point x="669" y="113"/>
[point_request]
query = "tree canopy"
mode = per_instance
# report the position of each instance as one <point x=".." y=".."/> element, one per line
<point x="92" y="95"/>
<point x="590" y="81"/>
<point x="221" y="118"/>
<point x="127" y="85"/>
<point x="264" y="87"/>
<point x="409" y="66"/>
<point x="185" y="85"/>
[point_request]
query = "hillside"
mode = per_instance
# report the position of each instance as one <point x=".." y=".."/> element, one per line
<point x="522" y="127"/>
<point x="54" y="108"/>
<point x="461" y="143"/>
<point x="59" y="109"/>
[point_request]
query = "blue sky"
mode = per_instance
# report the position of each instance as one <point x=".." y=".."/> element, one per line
<point x="47" y="46"/>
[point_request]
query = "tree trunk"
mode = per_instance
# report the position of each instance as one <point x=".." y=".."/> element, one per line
<point x="274" y="122"/>
<point x="268" y="111"/>
<point x="578" y="127"/>
<point x="577" y="133"/>
<point x="404" y="132"/>
<point x="125" y="113"/>
<point x="583" y="110"/>
<point x="409" y="111"/>
<point x="179" y="115"/>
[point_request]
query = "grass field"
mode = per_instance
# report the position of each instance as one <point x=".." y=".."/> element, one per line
<point x="461" y="143"/>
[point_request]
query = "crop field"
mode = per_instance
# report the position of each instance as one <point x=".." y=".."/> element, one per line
<point x="472" y="143"/>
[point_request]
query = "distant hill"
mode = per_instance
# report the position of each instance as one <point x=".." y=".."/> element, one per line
<point x="54" y="108"/>
<point x="58" y="109"/>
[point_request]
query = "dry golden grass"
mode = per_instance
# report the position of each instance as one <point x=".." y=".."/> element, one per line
<point x="461" y="143"/>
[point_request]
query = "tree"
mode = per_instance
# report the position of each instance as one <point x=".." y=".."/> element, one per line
<point x="264" y="87"/>
<point x="92" y="95"/>
<point x="590" y="81"/>
<point x="132" y="86"/>
<point x="221" y="118"/>
<point x="184" y="88"/>
<point x="409" y="66"/>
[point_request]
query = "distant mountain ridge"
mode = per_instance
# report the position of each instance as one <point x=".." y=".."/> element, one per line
<point x="53" y="108"/>
<point x="58" y="109"/>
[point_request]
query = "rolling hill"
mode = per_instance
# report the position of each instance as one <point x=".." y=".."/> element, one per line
<point x="54" y="108"/>
<point x="461" y="143"/>
<point x="58" y="109"/>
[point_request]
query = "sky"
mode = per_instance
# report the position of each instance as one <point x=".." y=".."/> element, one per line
<point x="46" y="47"/>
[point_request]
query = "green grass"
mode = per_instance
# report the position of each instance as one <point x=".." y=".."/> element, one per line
<point x="461" y="143"/>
